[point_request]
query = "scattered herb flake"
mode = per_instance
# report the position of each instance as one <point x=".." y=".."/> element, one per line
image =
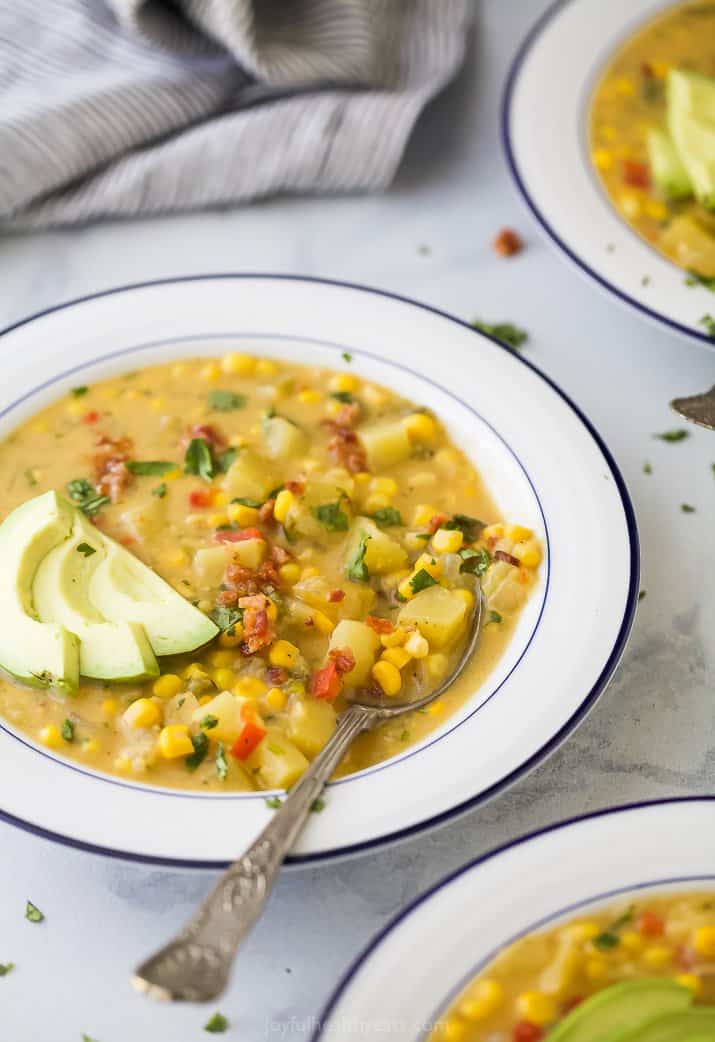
<point x="347" y="357"/>
<point x="159" y="491"/>
<point x="198" y="459"/>
<point x="217" y="1025"/>
<point x="388" y="516"/>
<point x="645" y="281"/>
<point x="79" y="392"/>
<point x="694" y="279"/>
<point x="226" y="401"/>
<point x="475" y="561"/>
<point x="208" y="722"/>
<point x="30" y="477"/>
<point x="641" y="594"/>
<point x="67" y="730"/>
<point x="687" y="508"/>
<point x="506" y="332"/>
<point x="470" y="527"/>
<point x="678" y="434"/>
<point x="422" y="580"/>
<point x="86" y="1038"/>
<point x="224" y="460"/>
<point x="405" y="735"/>
<point x="225" y="618"/>
<point x="494" y="616"/>
<point x="273" y="802"/>
<point x="245" y="501"/>
<point x="356" y="568"/>
<point x="647" y="469"/>
<point x="155" y="467"/>
<point x="84" y="494"/>
<point x="221" y="762"/>
<point x="201" y="746"/>
<point x="317" y="805"/>
<point x="5" y="968"/>
<point x="33" y="913"/>
<point x="85" y="549"/>
<point x="343" y="396"/>
<point x="609" y="939"/>
<point x="332" y="516"/>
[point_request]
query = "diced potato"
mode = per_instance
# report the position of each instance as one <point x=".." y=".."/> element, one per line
<point x="180" y="709"/>
<point x="210" y="564"/>
<point x="280" y="763"/>
<point x="250" y="553"/>
<point x="364" y="644"/>
<point x="283" y="439"/>
<point x="226" y="707"/>
<point x="510" y="594"/>
<point x="315" y="590"/>
<point x="249" y="477"/>
<point x="143" y="522"/>
<point x="310" y="725"/>
<point x="438" y="613"/>
<point x="385" y="443"/>
<point x="357" y="602"/>
<point x="383" y="554"/>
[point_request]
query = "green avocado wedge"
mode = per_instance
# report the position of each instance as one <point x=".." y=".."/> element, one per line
<point x="41" y="654"/>
<point x="623" y="1007"/>
<point x="690" y="1025"/>
<point x="117" y="651"/>
<point x="669" y="174"/>
<point x="691" y="122"/>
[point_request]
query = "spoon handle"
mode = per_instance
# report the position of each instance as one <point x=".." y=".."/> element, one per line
<point x="196" y="964"/>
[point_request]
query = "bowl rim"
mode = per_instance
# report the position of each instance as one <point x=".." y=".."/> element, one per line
<point x="398" y="835"/>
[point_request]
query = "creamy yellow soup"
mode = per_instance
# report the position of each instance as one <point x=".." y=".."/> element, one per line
<point x="535" y="983"/>
<point x="628" y="103"/>
<point x="330" y="528"/>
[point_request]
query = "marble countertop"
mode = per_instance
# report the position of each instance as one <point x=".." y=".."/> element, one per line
<point x="651" y="735"/>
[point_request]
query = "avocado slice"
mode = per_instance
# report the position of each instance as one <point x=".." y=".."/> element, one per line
<point x="122" y="588"/>
<point x="622" y="1007"/>
<point x="690" y="1025"/>
<point x="691" y="122"/>
<point x="38" y="653"/>
<point x="118" y="651"/>
<point x="669" y="174"/>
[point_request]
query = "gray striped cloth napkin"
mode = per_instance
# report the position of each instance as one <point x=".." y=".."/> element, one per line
<point x="116" y="108"/>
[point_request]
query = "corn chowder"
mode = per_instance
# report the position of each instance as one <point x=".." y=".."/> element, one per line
<point x="652" y="137"/>
<point x="641" y="970"/>
<point x="323" y="534"/>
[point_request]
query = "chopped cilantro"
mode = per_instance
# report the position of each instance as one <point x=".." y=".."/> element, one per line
<point x="494" y="616"/>
<point x="33" y="913"/>
<point x="347" y="357"/>
<point x="675" y="435"/>
<point x="508" y="333"/>
<point x="246" y="502"/>
<point x="645" y="280"/>
<point x="79" y="392"/>
<point x="687" y="508"/>
<point x="86" y="1038"/>
<point x="221" y="762"/>
<point x="641" y="594"/>
<point x="317" y="805"/>
<point x="343" y="396"/>
<point x="30" y="477"/>
<point x="198" y="459"/>
<point x="421" y="581"/>
<point x="201" y="746"/>
<point x="273" y="802"/>
<point x="159" y="491"/>
<point x="470" y="527"/>
<point x="277" y="750"/>
<point x="356" y="569"/>
<point x="208" y="722"/>
<point x="157" y="467"/>
<point x="217" y="1025"/>
<point x="694" y="279"/>
<point x="609" y="939"/>
<point x="85" y="549"/>
<point x="225" y="618"/>
<point x="331" y="516"/>
<point x="5" y="968"/>
<point x="226" y="401"/>
<point x="84" y="494"/>
<point x="708" y="323"/>
<point x="405" y="735"/>
<point x="67" y="730"/>
<point x="224" y="460"/>
<point x="647" y="469"/>
<point x="475" y="561"/>
<point x="387" y="516"/>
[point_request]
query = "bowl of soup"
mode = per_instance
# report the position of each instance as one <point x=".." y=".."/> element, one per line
<point x="601" y="928"/>
<point x="218" y="530"/>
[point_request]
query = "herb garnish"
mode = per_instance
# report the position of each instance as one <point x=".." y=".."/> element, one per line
<point x="708" y="323"/>
<point x="343" y="396"/>
<point x="675" y="435"/>
<point x="387" y="516"/>
<point x="85" y="495"/>
<point x="5" y="968"/>
<point x="198" y="459"/>
<point x="494" y="616"/>
<point x="347" y="357"/>
<point x="647" y="469"/>
<point x="317" y="805"/>
<point x="30" y="477"/>
<point x="221" y="762"/>
<point x="356" y="569"/>
<point x="694" y="279"/>
<point x="226" y="401"/>
<point x="508" y="333"/>
<point x="609" y="939"/>
<point x="201" y="746"/>
<point x="159" y="491"/>
<point x="470" y="527"/>
<point x="687" y="508"/>
<point x="331" y="516"/>
<point x="33" y="913"/>
<point x="641" y="594"/>
<point x="225" y="618"/>
<point x="422" y="580"/>
<point x="273" y="802"/>
<point x="475" y="562"/>
<point x="157" y="467"/>
<point x="208" y="722"/>
<point x="79" y="392"/>
<point x="67" y="731"/>
<point x="224" y="460"/>
<point x="217" y="1025"/>
<point x="245" y="501"/>
<point x="85" y="549"/>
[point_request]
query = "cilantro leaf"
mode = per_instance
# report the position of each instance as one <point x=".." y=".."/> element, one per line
<point x="687" y="508"/>
<point x="387" y="516"/>
<point x="246" y="501"/>
<point x="157" y="467"/>
<point x="422" y="580"/>
<point x="198" y="459"/>
<point x="224" y="460"/>
<point x="347" y="357"/>
<point x="208" y="722"/>
<point x="226" y="401"/>
<point x="67" y="730"/>
<point x="79" y="392"/>
<point x="273" y="802"/>
<point x="5" y="968"/>
<point x="508" y="333"/>
<point x="675" y="435"/>
<point x="84" y="494"/>
<point x="317" y="805"/>
<point x="708" y="323"/>
<point x="159" y="491"/>
<point x="343" y="396"/>
<point x="356" y="569"/>
<point x="470" y="527"/>
<point x="30" y="477"/>
<point x="33" y="913"/>
<point x="608" y="939"/>
<point x="85" y="549"/>
<point x="221" y="762"/>
<point x="225" y="618"/>
<point x="641" y="594"/>
<point x="201" y="746"/>
<point x="217" y="1024"/>
<point x="494" y="616"/>
<point x="331" y="516"/>
<point x="475" y="561"/>
<point x="695" y="279"/>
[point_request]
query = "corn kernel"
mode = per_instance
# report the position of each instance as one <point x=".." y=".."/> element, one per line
<point x="174" y="741"/>
<point x="322" y="622"/>
<point x="266" y="367"/>
<point x="584" y="931"/>
<point x="217" y="520"/>
<point x="399" y="657"/>
<point x="309" y="572"/>
<point x="51" y="737"/>
<point x="453" y="1030"/>
<point x="602" y="158"/>
<point x="174" y="559"/>
<point x="168" y="685"/>
<point x="363" y="477"/>
<point x="385" y="486"/>
<point x="632" y="941"/>
<point x="416" y="645"/>
<point x="344" y="383"/>
<point x="624" y="86"/>
<point x="40" y="427"/>
<point x="250" y="687"/>
<point x="596" y="968"/>
<point x="110" y="707"/>
<point x="289" y="573"/>
<point x="90" y="747"/>
<point x="283" y="654"/>
<point x="630" y="204"/>
<point x="704" y="941"/>
<point x="275" y="699"/>
<point x="232" y="637"/>
<point x="284" y="501"/>
<point x="376" y="501"/>
<point x="224" y="679"/>
<point x="76" y="407"/>
<point x="435" y="708"/>
<point x="194" y="670"/>
<point x="486" y="996"/>
<point x="272" y="610"/>
<point x="376" y="397"/>
<point x="659" y="69"/>
<point x="655" y="209"/>
<point x="657" y="957"/>
<point x="123" y="764"/>
<point x="431" y="564"/>
<point x="242" y="515"/>
<point x="436" y="665"/>
<point x="529" y="554"/>
<point x="211" y="371"/>
<point x="447" y="541"/>
<point x="424" y="513"/>
<point x="405" y="590"/>
<point x="493" y="532"/>
<point x="387" y="676"/>
<point x="421" y="428"/>
<point x="394" y="639"/>
<point x="309" y="396"/>
<point x="237" y="364"/>
<point x="205" y="699"/>
<point x="142" y="713"/>
<point x="157" y="404"/>
<point x="536" y="1007"/>
<point x="517" y="533"/>
<point x="222" y="658"/>
<point x="689" y="981"/>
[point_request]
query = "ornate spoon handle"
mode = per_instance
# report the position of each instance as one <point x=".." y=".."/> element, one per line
<point x="195" y="965"/>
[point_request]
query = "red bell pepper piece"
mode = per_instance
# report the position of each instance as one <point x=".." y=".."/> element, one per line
<point x="199" y="498"/>
<point x="326" y="683"/>
<point x="250" y="737"/>
<point x="237" y="535"/>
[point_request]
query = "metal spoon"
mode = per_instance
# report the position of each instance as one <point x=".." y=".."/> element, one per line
<point x="196" y="964"/>
<point x="699" y="408"/>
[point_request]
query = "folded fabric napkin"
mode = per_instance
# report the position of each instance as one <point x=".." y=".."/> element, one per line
<point x="113" y="108"/>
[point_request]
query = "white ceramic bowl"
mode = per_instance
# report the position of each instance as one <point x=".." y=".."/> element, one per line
<point x="545" y="135"/>
<point x="541" y="459"/>
<point x="408" y="976"/>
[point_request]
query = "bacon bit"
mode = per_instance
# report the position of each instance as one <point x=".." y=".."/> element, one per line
<point x="436" y="522"/>
<point x="650" y="925"/>
<point x="296" y="487"/>
<point x="111" y="474"/>
<point x="635" y="174"/>
<point x="200" y="497"/>
<point x="279" y="555"/>
<point x="345" y="448"/>
<point x="379" y="625"/>
<point x="525" y="1031"/>
<point x="507" y="243"/>
<point x="502" y="555"/>
<point x="215" y="438"/>
<point x="127" y="540"/>
<point x="226" y="598"/>
<point x="647" y="70"/>
<point x="265" y="513"/>
<point x="90" y="417"/>
<point x="349" y="414"/>
<point x="257" y="629"/>
<point x="248" y="582"/>
<point x="343" y="659"/>
<point x="277" y="675"/>
<point x="309" y="622"/>
<point x="237" y="535"/>
<point x="335" y="596"/>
